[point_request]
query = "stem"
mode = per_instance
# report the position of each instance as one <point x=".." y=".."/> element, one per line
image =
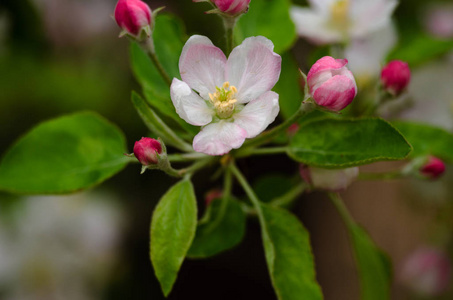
<point x="228" y="24"/>
<point x="381" y="176"/>
<point x="262" y="151"/>
<point x="148" y="46"/>
<point x="186" y="157"/>
<point x="290" y="196"/>
<point x="267" y="136"/>
<point x="342" y="209"/>
<point x="195" y="166"/>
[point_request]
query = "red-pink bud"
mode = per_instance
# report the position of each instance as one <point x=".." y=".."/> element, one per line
<point x="232" y="7"/>
<point x="395" y="77"/>
<point x="292" y="129"/>
<point x="331" y="84"/>
<point x="427" y="272"/>
<point x="132" y="16"/>
<point x="433" y="168"/>
<point x="212" y="195"/>
<point x="146" y="151"/>
<point x="334" y="180"/>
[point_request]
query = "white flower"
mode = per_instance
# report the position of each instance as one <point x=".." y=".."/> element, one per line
<point x="335" y="21"/>
<point x="230" y="97"/>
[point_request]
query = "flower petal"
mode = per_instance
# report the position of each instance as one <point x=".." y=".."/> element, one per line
<point x="189" y="106"/>
<point x="323" y="70"/>
<point x="314" y="26"/>
<point x="219" y="138"/>
<point x="368" y="16"/>
<point x="258" y="114"/>
<point x="322" y="6"/>
<point x="253" y="68"/>
<point x="202" y="65"/>
<point x="336" y="93"/>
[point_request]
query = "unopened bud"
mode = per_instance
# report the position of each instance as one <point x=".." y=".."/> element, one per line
<point x="395" y="77"/>
<point x="232" y="7"/>
<point x="427" y="272"/>
<point x="433" y="168"/>
<point x="146" y="151"/>
<point x="134" y="17"/>
<point x="331" y="84"/>
<point x="334" y="180"/>
<point x="292" y="129"/>
<point x="212" y="195"/>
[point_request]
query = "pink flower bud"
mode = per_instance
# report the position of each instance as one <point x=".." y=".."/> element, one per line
<point x="146" y="151"/>
<point x="133" y="16"/>
<point x="331" y="84"/>
<point x="212" y="195"/>
<point x="433" y="168"/>
<point x="395" y="77"/>
<point x="293" y="129"/>
<point x="334" y="180"/>
<point x="427" y="272"/>
<point x="232" y="7"/>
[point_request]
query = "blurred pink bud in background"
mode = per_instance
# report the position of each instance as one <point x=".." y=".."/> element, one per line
<point x="426" y="272"/>
<point x="212" y="195"/>
<point x="146" y="151"/>
<point x="334" y="180"/>
<point x="433" y="168"/>
<point x="331" y="84"/>
<point x="395" y="77"/>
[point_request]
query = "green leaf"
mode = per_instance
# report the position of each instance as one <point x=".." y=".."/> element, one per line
<point x="427" y="139"/>
<point x="168" y="36"/>
<point x="421" y="49"/>
<point x="336" y="143"/>
<point x="373" y="266"/>
<point x="271" y="186"/>
<point x="288" y="255"/>
<point x="289" y="87"/>
<point x="64" y="155"/>
<point x="156" y="125"/>
<point x="269" y="18"/>
<point x="225" y="229"/>
<point x="173" y="227"/>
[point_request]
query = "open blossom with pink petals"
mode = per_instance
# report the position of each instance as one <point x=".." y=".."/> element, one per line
<point x="333" y="21"/>
<point x="231" y="98"/>
<point x="331" y="84"/>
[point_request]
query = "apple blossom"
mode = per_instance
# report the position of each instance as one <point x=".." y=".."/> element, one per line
<point x="328" y="179"/>
<point x="427" y="272"/>
<point x="146" y="151"/>
<point x="331" y="84"/>
<point x="395" y="77"/>
<point x="231" y="98"/>
<point x="232" y="7"/>
<point x="433" y="168"/>
<point x="133" y="16"/>
<point x="335" y="21"/>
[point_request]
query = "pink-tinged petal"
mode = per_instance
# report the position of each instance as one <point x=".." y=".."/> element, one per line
<point x="314" y="26"/>
<point x="132" y="15"/>
<point x="189" y="106"/>
<point x="336" y="93"/>
<point x="368" y="16"/>
<point x="258" y="114"/>
<point x="323" y="70"/>
<point x="202" y="65"/>
<point x="322" y="5"/>
<point x="219" y="138"/>
<point x="253" y="68"/>
<point x="232" y="7"/>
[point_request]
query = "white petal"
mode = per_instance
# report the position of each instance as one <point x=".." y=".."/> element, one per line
<point x="368" y="16"/>
<point x="253" y="68"/>
<point x="189" y="106"/>
<point x="314" y="26"/>
<point x="202" y="65"/>
<point x="258" y="114"/>
<point x="322" y="6"/>
<point x="219" y="138"/>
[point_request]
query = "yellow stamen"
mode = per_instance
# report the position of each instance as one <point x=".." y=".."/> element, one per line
<point x="224" y="100"/>
<point x="340" y="14"/>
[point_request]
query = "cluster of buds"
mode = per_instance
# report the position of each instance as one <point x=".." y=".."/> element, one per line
<point x="334" y="180"/>
<point x="331" y="84"/>
<point x="395" y="77"/>
<point x="231" y="8"/>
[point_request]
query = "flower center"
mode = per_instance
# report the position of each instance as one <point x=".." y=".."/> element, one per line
<point x="339" y="14"/>
<point x="224" y="99"/>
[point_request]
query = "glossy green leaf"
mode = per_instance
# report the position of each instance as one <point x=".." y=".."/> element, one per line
<point x="269" y="18"/>
<point x="337" y="143"/>
<point x="271" y="186"/>
<point x="64" y="155"/>
<point x="173" y="227"/>
<point x="289" y="87"/>
<point x="288" y="255"/>
<point x="225" y="229"/>
<point x="156" y="125"/>
<point x="427" y="139"/>
<point x="373" y="266"/>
